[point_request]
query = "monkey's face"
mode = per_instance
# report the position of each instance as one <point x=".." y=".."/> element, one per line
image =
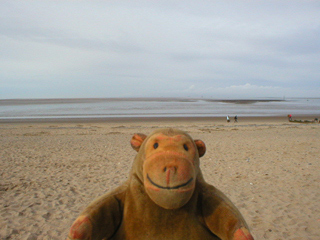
<point x="170" y="169"/>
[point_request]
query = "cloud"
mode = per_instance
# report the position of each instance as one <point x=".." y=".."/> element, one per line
<point x="246" y="91"/>
<point x="244" y="48"/>
<point x="248" y="86"/>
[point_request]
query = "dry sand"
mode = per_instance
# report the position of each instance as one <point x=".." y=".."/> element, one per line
<point x="50" y="171"/>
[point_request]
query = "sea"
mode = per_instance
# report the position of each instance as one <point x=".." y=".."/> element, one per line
<point x="20" y="109"/>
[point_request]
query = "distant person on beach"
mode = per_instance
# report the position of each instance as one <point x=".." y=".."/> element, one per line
<point x="290" y="117"/>
<point x="235" y="118"/>
<point x="228" y="119"/>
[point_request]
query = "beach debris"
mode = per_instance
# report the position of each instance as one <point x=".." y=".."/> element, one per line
<point x="316" y="120"/>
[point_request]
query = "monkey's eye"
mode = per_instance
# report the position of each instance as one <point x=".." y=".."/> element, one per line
<point x="156" y="145"/>
<point x="185" y="147"/>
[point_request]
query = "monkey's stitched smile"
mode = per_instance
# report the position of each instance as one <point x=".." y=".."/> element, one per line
<point x="169" y="188"/>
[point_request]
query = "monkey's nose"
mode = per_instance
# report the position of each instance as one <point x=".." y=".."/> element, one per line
<point x="170" y="173"/>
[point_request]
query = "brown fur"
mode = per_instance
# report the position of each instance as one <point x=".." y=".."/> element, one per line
<point x="165" y="197"/>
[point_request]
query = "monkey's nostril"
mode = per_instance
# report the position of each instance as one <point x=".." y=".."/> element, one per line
<point x="171" y="169"/>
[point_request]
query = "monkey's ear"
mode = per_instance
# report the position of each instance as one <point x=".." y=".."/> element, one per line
<point x="137" y="140"/>
<point x="201" y="147"/>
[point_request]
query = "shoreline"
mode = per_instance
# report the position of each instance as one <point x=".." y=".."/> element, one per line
<point x="157" y="119"/>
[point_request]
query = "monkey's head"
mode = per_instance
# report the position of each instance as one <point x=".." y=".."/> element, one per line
<point x="168" y="165"/>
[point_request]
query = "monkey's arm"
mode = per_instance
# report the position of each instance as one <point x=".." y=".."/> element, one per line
<point x="100" y="219"/>
<point x="222" y="217"/>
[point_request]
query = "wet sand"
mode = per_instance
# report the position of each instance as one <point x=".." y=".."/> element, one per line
<point x="51" y="170"/>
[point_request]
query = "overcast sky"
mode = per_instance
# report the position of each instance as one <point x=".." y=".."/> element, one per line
<point x="132" y="48"/>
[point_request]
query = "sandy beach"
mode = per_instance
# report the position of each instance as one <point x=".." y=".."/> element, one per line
<point x="50" y="171"/>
